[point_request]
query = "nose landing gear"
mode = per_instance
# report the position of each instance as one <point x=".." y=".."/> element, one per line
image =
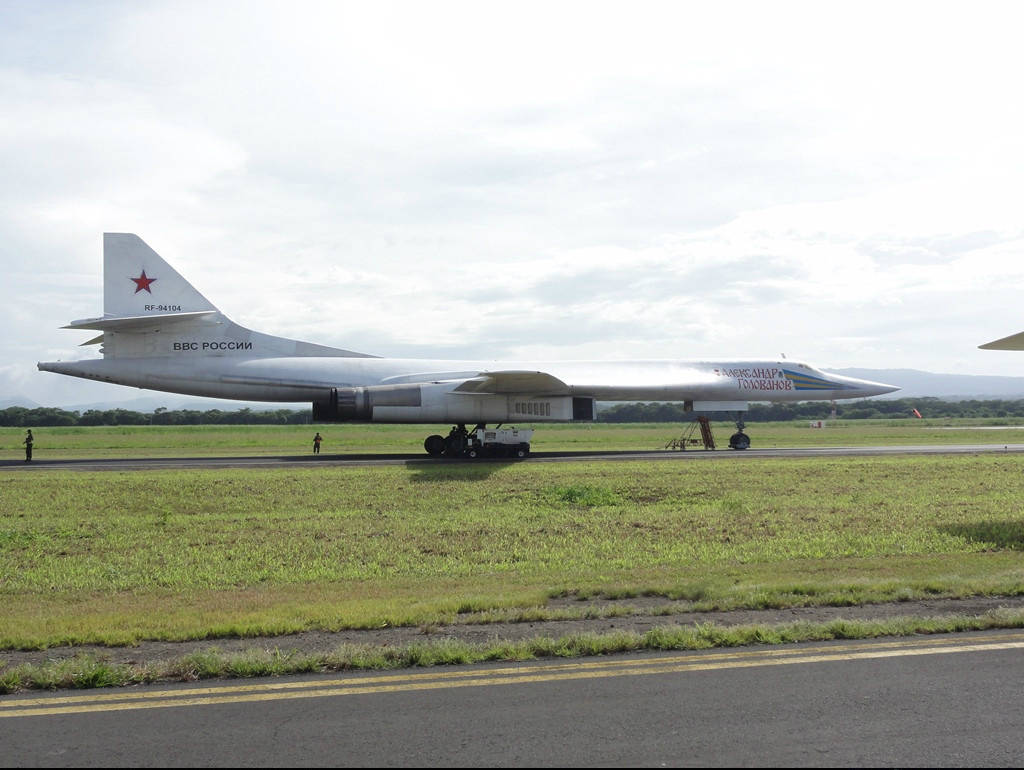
<point x="739" y="439"/>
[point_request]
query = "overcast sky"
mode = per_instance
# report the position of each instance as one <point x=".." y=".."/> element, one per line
<point x="839" y="182"/>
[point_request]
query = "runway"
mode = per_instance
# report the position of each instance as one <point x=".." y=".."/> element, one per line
<point x="419" y="459"/>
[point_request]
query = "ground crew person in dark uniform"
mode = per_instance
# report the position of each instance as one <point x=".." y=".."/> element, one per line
<point x="316" y="443"/>
<point x="28" y="446"/>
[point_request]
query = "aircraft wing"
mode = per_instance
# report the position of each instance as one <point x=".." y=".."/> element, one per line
<point x="614" y="381"/>
<point x="514" y="381"/>
<point x="1013" y="342"/>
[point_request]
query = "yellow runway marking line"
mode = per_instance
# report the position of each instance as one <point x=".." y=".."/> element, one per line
<point x="356" y="680"/>
<point x="526" y="674"/>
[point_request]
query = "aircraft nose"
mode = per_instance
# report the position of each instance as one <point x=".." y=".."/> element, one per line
<point x="867" y="387"/>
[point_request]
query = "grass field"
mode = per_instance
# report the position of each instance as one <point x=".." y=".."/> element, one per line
<point x="118" y="557"/>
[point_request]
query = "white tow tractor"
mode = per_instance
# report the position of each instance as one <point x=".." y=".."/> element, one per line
<point x="498" y="442"/>
<point x="480" y="442"/>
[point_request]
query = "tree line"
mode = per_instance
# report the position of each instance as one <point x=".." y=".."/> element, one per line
<point x="22" y="417"/>
<point x="899" y="408"/>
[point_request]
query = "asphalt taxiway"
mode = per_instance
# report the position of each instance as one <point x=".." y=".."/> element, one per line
<point x="950" y="700"/>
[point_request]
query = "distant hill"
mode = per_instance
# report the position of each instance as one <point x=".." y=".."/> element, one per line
<point x="949" y="387"/>
<point x="28" y="403"/>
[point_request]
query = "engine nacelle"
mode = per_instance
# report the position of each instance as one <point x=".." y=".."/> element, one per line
<point x="357" y="404"/>
<point x="439" y="403"/>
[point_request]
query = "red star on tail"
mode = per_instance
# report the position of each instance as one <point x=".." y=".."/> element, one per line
<point x="142" y="282"/>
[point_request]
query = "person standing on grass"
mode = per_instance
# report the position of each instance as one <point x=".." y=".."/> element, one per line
<point x="316" y="443"/>
<point x="28" y="445"/>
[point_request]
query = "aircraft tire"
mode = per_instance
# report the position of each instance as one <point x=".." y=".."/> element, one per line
<point x="434" y="445"/>
<point x="739" y="441"/>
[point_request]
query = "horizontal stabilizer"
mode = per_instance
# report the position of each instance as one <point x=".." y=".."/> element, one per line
<point x="537" y="383"/>
<point x="1013" y="342"/>
<point x="137" y="322"/>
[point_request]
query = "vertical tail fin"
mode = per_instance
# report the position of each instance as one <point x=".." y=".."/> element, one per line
<point x="150" y="311"/>
<point x="137" y="281"/>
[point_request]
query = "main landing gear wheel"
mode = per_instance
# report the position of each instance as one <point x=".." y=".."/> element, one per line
<point x="434" y="445"/>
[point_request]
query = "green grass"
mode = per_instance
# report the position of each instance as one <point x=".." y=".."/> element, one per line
<point x="230" y="440"/>
<point x="113" y="558"/>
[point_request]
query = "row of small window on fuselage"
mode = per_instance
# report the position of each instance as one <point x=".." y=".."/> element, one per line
<point x="537" y="408"/>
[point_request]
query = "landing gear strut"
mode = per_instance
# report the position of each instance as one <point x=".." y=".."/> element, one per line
<point x="739" y="439"/>
<point x="455" y="442"/>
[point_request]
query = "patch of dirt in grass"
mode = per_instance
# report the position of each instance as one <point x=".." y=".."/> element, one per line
<point x="324" y="642"/>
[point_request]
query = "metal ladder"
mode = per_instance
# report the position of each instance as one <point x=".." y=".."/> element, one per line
<point x="687" y="439"/>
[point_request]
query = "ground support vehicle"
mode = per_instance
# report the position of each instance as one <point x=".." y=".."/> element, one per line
<point x="480" y="442"/>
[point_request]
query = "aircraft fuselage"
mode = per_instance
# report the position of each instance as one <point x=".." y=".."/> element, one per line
<point x="290" y="379"/>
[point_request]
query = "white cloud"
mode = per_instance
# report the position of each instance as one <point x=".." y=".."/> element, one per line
<point x="554" y="180"/>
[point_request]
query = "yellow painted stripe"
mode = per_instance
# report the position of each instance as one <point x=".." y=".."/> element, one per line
<point x="97" y="702"/>
<point x="448" y="673"/>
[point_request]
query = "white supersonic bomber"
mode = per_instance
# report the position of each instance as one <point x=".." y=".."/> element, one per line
<point x="158" y="332"/>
